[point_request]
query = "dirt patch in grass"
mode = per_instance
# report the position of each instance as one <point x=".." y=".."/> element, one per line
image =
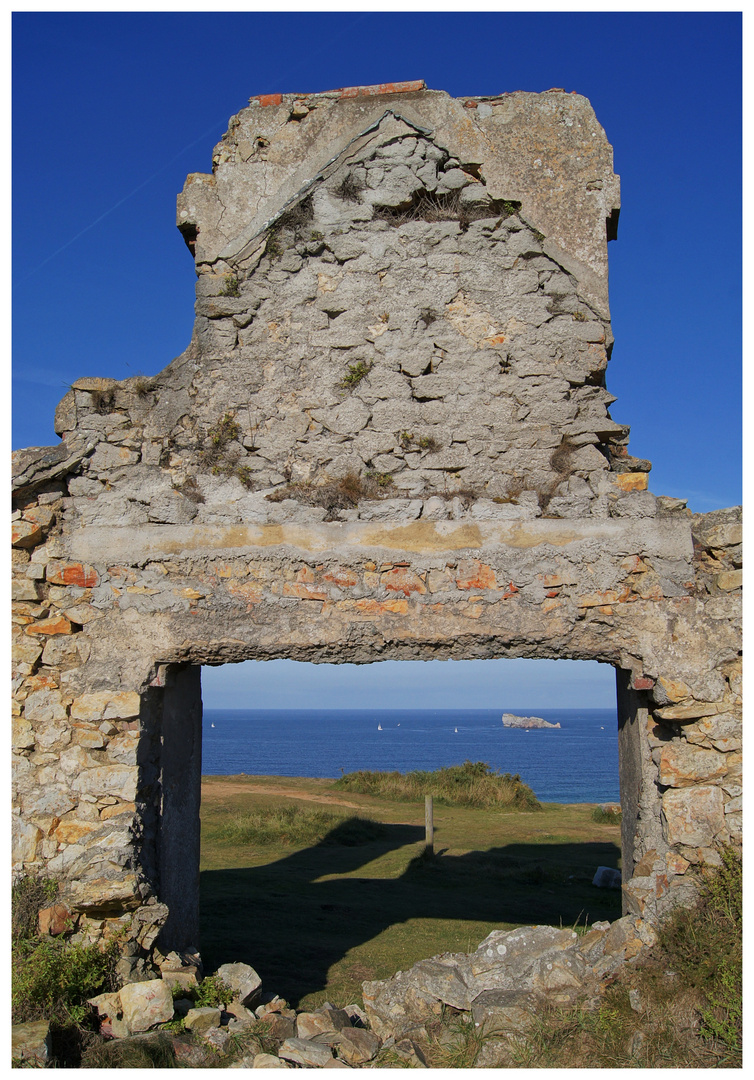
<point x="210" y="791"/>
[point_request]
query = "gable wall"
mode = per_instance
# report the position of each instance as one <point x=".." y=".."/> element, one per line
<point x="514" y="524"/>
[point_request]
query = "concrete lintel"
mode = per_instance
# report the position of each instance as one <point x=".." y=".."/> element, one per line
<point x="133" y="545"/>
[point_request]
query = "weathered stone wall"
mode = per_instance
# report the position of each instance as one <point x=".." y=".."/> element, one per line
<point x="389" y="438"/>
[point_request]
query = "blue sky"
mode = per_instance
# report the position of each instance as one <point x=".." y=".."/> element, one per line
<point x="112" y="110"/>
<point x="508" y="685"/>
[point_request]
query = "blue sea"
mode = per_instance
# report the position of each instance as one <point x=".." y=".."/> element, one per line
<point x="576" y="763"/>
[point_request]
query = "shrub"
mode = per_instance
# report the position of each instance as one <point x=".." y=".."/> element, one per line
<point x="216" y="438"/>
<point x="52" y="979"/>
<point x="211" y="992"/>
<point x="28" y="896"/>
<point x="103" y="401"/>
<point x="431" y="206"/>
<point x="142" y="386"/>
<point x="687" y="1008"/>
<point x="704" y="946"/>
<point x="471" y="784"/>
<point x="153" y="1051"/>
<point x="421" y="442"/>
<point x="381" y="479"/>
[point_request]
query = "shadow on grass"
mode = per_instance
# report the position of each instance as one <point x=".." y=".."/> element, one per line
<point x="292" y="927"/>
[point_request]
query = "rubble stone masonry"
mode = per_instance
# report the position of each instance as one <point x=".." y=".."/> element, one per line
<point x="388" y="438"/>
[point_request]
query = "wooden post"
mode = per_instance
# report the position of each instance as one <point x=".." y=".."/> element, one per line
<point x="429" y="825"/>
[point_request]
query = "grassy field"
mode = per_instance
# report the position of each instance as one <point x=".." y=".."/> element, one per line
<point x="317" y="902"/>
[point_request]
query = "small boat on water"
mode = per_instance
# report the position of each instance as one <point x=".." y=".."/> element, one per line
<point x="211" y="725"/>
<point x="456" y="731"/>
<point x="379" y="727"/>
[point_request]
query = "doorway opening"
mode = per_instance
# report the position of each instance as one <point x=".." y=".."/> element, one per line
<point x="320" y="883"/>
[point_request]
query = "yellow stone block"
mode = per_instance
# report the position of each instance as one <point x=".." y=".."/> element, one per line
<point x="682" y="713"/>
<point x="631" y="481"/>
<point x="675" y="689"/>
<point x="106" y="705"/>
<point x="729" y="580"/>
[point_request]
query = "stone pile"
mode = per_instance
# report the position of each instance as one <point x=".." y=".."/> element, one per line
<point x="326" y="1036"/>
<point x="501" y="986"/>
<point x="510" y="975"/>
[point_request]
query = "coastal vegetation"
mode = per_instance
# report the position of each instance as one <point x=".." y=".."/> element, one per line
<point x="475" y="783"/>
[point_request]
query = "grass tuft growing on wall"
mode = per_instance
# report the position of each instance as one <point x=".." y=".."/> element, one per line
<point x="341" y="493"/>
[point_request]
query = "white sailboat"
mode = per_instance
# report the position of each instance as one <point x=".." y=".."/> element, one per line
<point x="379" y="727"/>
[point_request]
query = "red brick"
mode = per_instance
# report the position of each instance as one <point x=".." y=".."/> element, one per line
<point x="382" y="607"/>
<point x="302" y="591"/>
<point x="382" y="88"/>
<point x="268" y="99"/>
<point x="402" y="580"/>
<point x="75" y="573"/>
<point x="252" y="594"/>
<point x="41" y="682"/>
<point x="305" y="573"/>
<point x="25" y="534"/>
<point x="473" y="574"/>
<point x="642" y="682"/>
<point x="341" y="578"/>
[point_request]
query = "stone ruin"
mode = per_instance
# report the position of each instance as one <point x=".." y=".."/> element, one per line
<point x="389" y="438"/>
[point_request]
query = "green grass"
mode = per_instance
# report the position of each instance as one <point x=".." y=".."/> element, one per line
<point x="318" y="918"/>
<point x="471" y="784"/>
<point x="293" y="826"/>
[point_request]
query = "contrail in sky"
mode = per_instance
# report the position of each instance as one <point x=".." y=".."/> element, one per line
<point x="283" y="78"/>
